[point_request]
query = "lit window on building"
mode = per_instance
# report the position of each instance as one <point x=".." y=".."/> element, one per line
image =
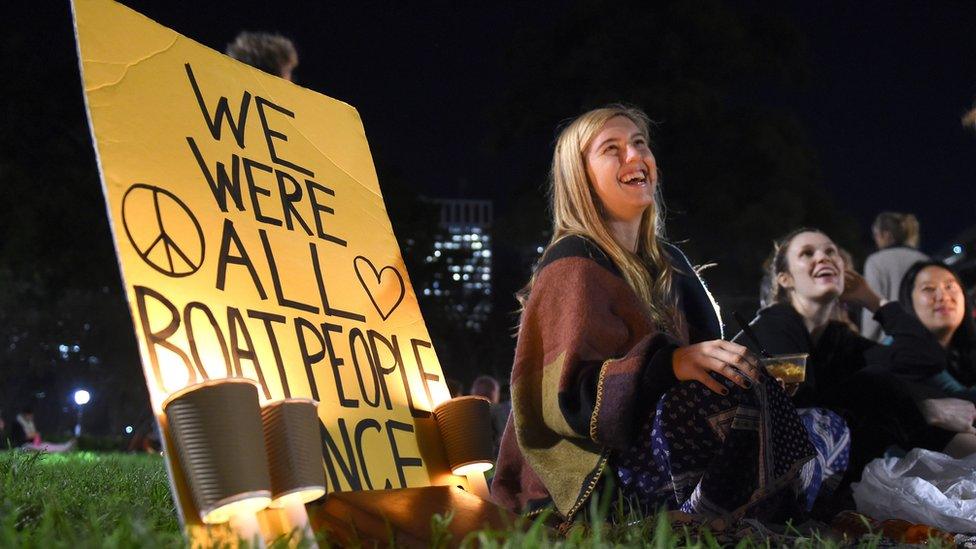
<point x="461" y="257"/>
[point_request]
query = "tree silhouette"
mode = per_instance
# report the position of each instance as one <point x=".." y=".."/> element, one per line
<point x="63" y="318"/>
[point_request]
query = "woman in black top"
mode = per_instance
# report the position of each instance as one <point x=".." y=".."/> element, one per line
<point x="933" y="294"/>
<point x="847" y="373"/>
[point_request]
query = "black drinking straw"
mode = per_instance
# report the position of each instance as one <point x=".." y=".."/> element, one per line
<point x="750" y="334"/>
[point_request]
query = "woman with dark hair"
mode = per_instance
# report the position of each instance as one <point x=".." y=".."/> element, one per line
<point x="847" y="373"/>
<point x="933" y="293"/>
<point x="620" y="368"/>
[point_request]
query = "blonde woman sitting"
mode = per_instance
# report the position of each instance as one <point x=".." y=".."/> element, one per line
<point x="620" y="368"/>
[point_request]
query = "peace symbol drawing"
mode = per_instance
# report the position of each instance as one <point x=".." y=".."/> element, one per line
<point x="162" y="230"/>
<point x="384" y="287"/>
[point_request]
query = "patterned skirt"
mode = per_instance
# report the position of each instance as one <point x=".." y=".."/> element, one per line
<point x="745" y="454"/>
<point x="832" y="439"/>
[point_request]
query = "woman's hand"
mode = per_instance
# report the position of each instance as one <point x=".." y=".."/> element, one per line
<point x="725" y="358"/>
<point x="857" y="291"/>
<point x="951" y="414"/>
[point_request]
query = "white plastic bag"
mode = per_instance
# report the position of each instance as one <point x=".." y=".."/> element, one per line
<point x="924" y="487"/>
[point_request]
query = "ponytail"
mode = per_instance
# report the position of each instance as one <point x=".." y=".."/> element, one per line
<point x="903" y="227"/>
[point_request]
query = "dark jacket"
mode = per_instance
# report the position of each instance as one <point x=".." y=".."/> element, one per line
<point x="953" y="375"/>
<point x="853" y="376"/>
<point x="840" y="352"/>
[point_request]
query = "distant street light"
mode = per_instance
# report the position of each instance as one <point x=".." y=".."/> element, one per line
<point x="82" y="397"/>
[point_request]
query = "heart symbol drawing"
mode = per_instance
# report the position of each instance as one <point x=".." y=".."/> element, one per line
<point x="383" y="289"/>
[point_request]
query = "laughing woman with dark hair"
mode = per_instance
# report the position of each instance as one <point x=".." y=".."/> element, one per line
<point x="847" y="373"/>
<point x="933" y="294"/>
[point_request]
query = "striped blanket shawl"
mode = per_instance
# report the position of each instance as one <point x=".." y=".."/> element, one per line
<point x="589" y="364"/>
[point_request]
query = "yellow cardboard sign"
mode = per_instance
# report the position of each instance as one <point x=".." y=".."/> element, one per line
<point x="254" y="242"/>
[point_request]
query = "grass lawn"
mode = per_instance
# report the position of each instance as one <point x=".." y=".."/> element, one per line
<point x="86" y="499"/>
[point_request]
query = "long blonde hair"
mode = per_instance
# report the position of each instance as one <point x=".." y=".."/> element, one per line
<point x="576" y="210"/>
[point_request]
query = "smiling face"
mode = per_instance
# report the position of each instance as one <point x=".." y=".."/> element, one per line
<point x="815" y="269"/>
<point x="938" y="300"/>
<point x="622" y="169"/>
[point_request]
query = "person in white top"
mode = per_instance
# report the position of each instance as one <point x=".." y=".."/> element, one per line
<point x="896" y="235"/>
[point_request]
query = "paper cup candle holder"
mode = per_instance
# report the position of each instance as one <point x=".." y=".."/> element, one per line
<point x="294" y="445"/>
<point x="465" y="426"/>
<point x="240" y="458"/>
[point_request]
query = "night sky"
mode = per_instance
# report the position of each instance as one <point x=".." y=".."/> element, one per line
<point x="885" y="85"/>
<point x="424" y="76"/>
<point x="886" y="91"/>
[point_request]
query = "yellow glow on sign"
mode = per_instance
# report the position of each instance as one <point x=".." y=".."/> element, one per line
<point x="244" y="504"/>
<point x="472" y="468"/>
<point x="439" y="394"/>
<point x="298" y="497"/>
<point x="173" y="373"/>
<point x="254" y="242"/>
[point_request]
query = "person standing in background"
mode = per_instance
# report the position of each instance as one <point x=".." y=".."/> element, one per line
<point x="488" y="387"/>
<point x="455" y="388"/>
<point x="896" y="235"/>
<point x="270" y="52"/>
<point x="969" y="119"/>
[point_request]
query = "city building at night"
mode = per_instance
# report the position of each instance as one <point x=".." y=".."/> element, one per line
<point x="461" y="256"/>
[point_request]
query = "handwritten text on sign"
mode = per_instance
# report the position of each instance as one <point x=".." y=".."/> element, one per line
<point x="254" y="243"/>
